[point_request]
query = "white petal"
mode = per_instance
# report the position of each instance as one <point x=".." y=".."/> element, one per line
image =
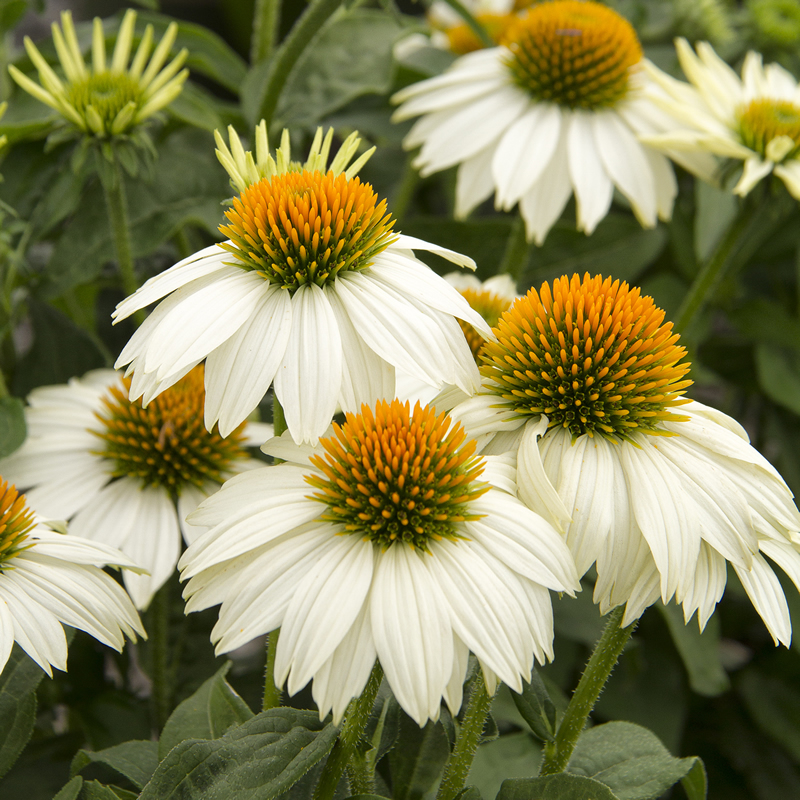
<point x="593" y="187"/>
<point x="190" y="497"/>
<point x="765" y="592"/>
<point x="754" y="170"/>
<point x="474" y="181"/>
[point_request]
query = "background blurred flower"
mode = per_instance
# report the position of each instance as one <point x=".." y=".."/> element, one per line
<point x="404" y="549"/>
<point x="124" y="475"/>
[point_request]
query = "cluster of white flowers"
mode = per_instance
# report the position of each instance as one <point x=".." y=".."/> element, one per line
<point x="407" y="534"/>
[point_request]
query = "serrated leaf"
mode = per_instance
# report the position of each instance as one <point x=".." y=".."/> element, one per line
<point x="779" y="375"/>
<point x="71" y="790"/>
<point x="136" y="760"/>
<point x="18" y="683"/>
<point x="554" y="787"/>
<point x="629" y="759"/>
<point x="254" y="761"/>
<point x="695" y="783"/>
<point x="700" y="652"/>
<point x="207" y="714"/>
<point x="417" y="764"/>
<point x="13" y="429"/>
<point x="537" y="708"/>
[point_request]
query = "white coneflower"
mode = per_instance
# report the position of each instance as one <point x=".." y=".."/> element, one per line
<point x="312" y="291"/>
<point x="112" y="96"/>
<point x="556" y="109"/>
<point x="755" y="118"/>
<point x="585" y="384"/>
<point x="48" y="580"/>
<point x="388" y="540"/>
<point x="125" y="475"/>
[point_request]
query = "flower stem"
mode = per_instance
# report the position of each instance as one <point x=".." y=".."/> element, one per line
<point x="515" y="256"/>
<point x="469" y="734"/>
<point x="594" y="678"/>
<point x="266" y="19"/>
<point x="754" y="223"/>
<point x="272" y="694"/>
<point x="117" y="206"/>
<point x="159" y="655"/>
<point x="278" y="417"/>
<point x="312" y="19"/>
<point x="355" y="720"/>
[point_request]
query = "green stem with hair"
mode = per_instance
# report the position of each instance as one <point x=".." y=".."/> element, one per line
<point x="517" y="252"/>
<point x="312" y="19"/>
<point x="472" y="23"/>
<point x="598" y="669"/>
<point x="272" y="694"/>
<point x="467" y="739"/>
<point x="266" y="19"/>
<point x="158" y="637"/>
<point x="355" y="721"/>
<point x="117" y="205"/>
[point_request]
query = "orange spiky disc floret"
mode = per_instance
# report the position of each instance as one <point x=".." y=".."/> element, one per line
<point x="16" y="521"/>
<point x="763" y="119"/>
<point x="462" y="38"/>
<point x="593" y="355"/>
<point x="304" y="227"/>
<point x="490" y="306"/>
<point x="397" y="476"/>
<point x="166" y="444"/>
<point x="576" y="54"/>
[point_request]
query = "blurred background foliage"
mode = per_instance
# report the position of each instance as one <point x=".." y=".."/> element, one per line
<point x="727" y="695"/>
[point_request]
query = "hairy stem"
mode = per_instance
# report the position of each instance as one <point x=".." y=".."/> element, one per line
<point x="266" y="19"/>
<point x="272" y="694"/>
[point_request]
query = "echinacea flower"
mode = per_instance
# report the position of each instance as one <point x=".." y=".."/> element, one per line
<point x="110" y="97"/>
<point x="388" y="540"/>
<point x="313" y="293"/>
<point x="555" y="110"/>
<point x="124" y="475"/>
<point x="585" y="384"/>
<point x="755" y="118"/>
<point x="450" y="32"/>
<point x="48" y="580"/>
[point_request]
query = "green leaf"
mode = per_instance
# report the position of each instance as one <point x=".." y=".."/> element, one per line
<point x="716" y="209"/>
<point x="207" y="714"/>
<point x="136" y="760"/>
<point x="327" y="77"/>
<point x="469" y="793"/>
<point x="254" y="761"/>
<point x="537" y="708"/>
<point x="18" y="683"/>
<point x="418" y="762"/>
<point x="554" y="787"/>
<point x="700" y="651"/>
<point x="93" y="790"/>
<point x="209" y="54"/>
<point x="13" y="429"/>
<point x="515" y="755"/>
<point x="71" y="790"/>
<point x="774" y="704"/>
<point x="60" y="350"/>
<point x="768" y="322"/>
<point x="195" y="106"/>
<point x="629" y="759"/>
<point x="694" y="782"/>
<point x="779" y="375"/>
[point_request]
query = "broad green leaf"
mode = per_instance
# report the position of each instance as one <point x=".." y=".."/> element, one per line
<point x="469" y="793"/>
<point x="327" y="77"/>
<point x="207" y="714"/>
<point x="60" y="350"/>
<point x="694" y="782"/>
<point x="537" y="708"/>
<point x="629" y="759"/>
<point x="94" y="790"/>
<point x="418" y="761"/>
<point x="554" y="787"/>
<point x="197" y="107"/>
<point x="26" y="118"/>
<point x="774" y="704"/>
<point x="779" y="376"/>
<point x="71" y="790"/>
<point x="514" y="755"/>
<point x="136" y="760"/>
<point x="254" y="761"/>
<point x="426" y="61"/>
<point x="18" y="683"/>
<point x="700" y="651"/>
<point x="768" y="323"/>
<point x="12" y="425"/>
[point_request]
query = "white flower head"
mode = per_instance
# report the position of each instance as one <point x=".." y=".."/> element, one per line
<point x="123" y="475"/>
<point x="388" y="540"/>
<point x="755" y="118"/>
<point x="48" y="580"/>
<point x="312" y="293"/>
<point x="557" y="109"/>
<point x="585" y="385"/>
<point x="112" y="96"/>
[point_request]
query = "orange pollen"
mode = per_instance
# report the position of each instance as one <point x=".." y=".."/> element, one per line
<point x="166" y="444"/>
<point x="398" y="476"/>
<point x="490" y="306"/>
<point x="16" y="521"/>
<point x="576" y="54"/>
<point x="304" y="227"/>
<point x="594" y="355"/>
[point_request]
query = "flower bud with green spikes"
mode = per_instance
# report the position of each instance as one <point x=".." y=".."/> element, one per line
<point x="245" y="170"/>
<point x="110" y="97"/>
